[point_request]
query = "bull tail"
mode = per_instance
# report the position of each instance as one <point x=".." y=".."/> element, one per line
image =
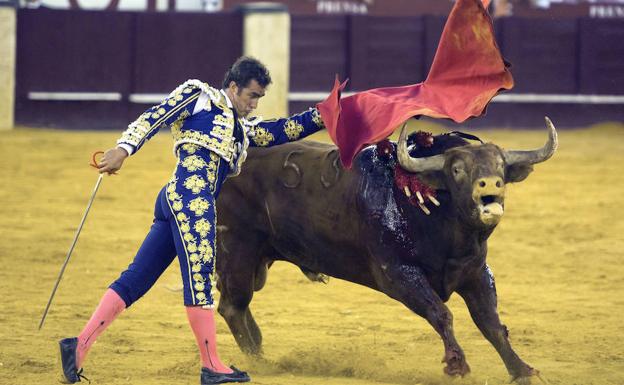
<point x="314" y="276"/>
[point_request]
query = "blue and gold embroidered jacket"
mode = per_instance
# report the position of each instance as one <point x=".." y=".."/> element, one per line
<point x="200" y="114"/>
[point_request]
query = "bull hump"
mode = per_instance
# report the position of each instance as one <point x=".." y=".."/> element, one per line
<point x="309" y="164"/>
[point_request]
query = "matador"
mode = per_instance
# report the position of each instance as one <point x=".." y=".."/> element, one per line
<point x="212" y="130"/>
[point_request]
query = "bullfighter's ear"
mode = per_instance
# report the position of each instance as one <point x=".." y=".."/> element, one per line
<point x="517" y="172"/>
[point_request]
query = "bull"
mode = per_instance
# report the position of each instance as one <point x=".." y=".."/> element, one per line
<point x="296" y="203"/>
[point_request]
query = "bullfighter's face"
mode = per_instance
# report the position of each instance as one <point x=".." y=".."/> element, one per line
<point x="245" y="99"/>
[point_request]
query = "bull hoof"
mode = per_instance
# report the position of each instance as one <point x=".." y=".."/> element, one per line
<point x="456" y="364"/>
<point x="529" y="376"/>
<point x="317" y="277"/>
<point x="322" y="278"/>
<point x="255" y="351"/>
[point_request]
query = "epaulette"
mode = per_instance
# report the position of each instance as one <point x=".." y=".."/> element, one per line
<point x="213" y="93"/>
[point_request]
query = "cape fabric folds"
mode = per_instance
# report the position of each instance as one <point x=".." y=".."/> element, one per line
<point x="467" y="72"/>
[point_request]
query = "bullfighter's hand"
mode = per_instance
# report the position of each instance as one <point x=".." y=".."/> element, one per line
<point x="112" y="160"/>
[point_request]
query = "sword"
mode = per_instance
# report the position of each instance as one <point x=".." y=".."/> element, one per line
<point x="71" y="248"/>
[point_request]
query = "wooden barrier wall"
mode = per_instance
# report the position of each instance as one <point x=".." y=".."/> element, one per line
<point x="126" y="54"/>
<point x="563" y="58"/>
<point x="129" y="54"/>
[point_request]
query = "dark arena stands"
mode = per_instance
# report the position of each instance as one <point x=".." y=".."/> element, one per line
<point x="566" y="55"/>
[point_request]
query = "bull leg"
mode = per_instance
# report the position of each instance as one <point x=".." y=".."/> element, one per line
<point x="480" y="297"/>
<point x="409" y="285"/>
<point x="241" y="271"/>
<point x="236" y="294"/>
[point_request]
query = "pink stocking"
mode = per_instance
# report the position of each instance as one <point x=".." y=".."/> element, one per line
<point x="203" y="324"/>
<point x="111" y="305"/>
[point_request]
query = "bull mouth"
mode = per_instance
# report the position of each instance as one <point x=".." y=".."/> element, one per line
<point x="491" y="209"/>
<point x="488" y="199"/>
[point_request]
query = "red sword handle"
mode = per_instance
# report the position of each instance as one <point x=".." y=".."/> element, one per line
<point x="94" y="162"/>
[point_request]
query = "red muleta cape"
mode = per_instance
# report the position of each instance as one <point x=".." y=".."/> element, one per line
<point x="468" y="70"/>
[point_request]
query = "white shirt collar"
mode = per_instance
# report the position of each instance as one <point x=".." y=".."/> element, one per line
<point x="227" y="100"/>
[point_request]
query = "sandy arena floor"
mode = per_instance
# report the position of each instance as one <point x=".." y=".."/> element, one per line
<point x="557" y="256"/>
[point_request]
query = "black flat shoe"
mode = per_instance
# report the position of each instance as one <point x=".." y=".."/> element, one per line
<point x="208" y="377"/>
<point x="68" y="360"/>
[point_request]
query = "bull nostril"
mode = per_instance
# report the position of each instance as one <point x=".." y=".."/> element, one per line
<point x="499" y="184"/>
<point x="482" y="184"/>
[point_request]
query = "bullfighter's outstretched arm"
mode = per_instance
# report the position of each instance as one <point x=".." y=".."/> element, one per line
<point x="179" y="105"/>
<point x="480" y="296"/>
<point x="278" y="131"/>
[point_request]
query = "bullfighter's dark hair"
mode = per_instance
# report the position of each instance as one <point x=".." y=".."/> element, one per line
<point x="246" y="69"/>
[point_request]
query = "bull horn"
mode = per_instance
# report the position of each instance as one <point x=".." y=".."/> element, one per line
<point x="430" y="163"/>
<point x="538" y="155"/>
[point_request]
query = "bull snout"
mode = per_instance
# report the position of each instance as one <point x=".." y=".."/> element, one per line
<point x="489" y="193"/>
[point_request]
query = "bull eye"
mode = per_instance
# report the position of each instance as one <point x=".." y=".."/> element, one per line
<point x="458" y="170"/>
<point x="482" y="184"/>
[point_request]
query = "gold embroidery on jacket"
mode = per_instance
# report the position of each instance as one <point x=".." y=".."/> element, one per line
<point x="223" y="147"/>
<point x="316" y="118"/>
<point x="141" y="128"/>
<point x="261" y="136"/>
<point x="293" y="129"/>
<point x="211" y="171"/>
<point x="191" y="148"/>
<point x="223" y="120"/>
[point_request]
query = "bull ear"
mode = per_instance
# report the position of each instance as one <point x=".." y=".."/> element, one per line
<point x="517" y="172"/>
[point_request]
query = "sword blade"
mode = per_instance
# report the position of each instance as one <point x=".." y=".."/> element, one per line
<point x="71" y="249"/>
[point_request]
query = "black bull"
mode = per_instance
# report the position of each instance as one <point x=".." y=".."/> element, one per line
<point x="295" y="203"/>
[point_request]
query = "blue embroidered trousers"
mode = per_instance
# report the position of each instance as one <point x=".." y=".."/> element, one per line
<point x="185" y="220"/>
